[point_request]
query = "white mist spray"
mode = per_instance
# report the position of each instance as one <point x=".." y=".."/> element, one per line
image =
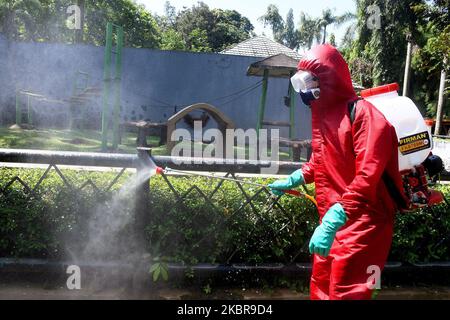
<point x="110" y="228"/>
<point x="113" y="256"/>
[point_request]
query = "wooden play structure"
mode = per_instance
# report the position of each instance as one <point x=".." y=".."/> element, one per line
<point x="70" y="110"/>
<point x="223" y="122"/>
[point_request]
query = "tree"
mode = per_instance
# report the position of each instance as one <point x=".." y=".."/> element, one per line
<point x="197" y="28"/>
<point x="430" y="59"/>
<point x="20" y="19"/>
<point x="384" y="45"/>
<point x="349" y="37"/>
<point x="223" y="27"/>
<point x="435" y="24"/>
<point x="273" y="19"/>
<point x="170" y="13"/>
<point x="198" y="17"/>
<point x="332" y="40"/>
<point x="377" y="55"/>
<point x="45" y="20"/>
<point x="328" y="18"/>
<point x="172" y="40"/>
<point x="290" y="34"/>
<point x="285" y="33"/>
<point x="361" y="69"/>
<point x="140" y="28"/>
<point x="230" y="27"/>
<point x="308" y="31"/>
<point x="198" y="41"/>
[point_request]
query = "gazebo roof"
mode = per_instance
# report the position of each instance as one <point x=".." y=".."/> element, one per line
<point x="278" y="66"/>
<point x="260" y="46"/>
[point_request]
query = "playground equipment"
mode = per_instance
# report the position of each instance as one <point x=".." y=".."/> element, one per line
<point x="222" y="120"/>
<point x="70" y="109"/>
<point x="82" y="93"/>
<point x="82" y="96"/>
<point x="144" y="129"/>
<point x="28" y="112"/>
<point x="114" y="81"/>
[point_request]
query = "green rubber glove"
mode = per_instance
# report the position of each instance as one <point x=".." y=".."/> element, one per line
<point x="323" y="236"/>
<point x="294" y="180"/>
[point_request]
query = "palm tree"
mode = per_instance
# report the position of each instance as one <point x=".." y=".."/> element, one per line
<point x="309" y="30"/>
<point x="328" y="18"/>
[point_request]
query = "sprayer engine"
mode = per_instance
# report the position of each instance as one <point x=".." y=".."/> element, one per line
<point x="416" y="183"/>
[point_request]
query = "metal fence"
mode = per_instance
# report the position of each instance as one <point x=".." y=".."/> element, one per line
<point x="257" y="202"/>
<point x="273" y="216"/>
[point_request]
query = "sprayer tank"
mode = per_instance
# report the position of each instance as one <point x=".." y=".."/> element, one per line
<point x="414" y="136"/>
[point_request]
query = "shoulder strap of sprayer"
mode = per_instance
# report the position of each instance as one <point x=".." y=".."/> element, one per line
<point x="352" y="109"/>
<point x="390" y="185"/>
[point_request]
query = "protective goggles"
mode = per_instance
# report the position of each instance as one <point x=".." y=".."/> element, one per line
<point x="304" y="81"/>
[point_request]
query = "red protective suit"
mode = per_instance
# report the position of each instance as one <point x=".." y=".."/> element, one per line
<point x="347" y="165"/>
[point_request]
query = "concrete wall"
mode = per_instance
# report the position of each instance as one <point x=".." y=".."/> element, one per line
<point x="441" y="148"/>
<point x="155" y="84"/>
<point x="6" y="87"/>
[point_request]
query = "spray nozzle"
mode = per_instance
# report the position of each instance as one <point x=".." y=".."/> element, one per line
<point x="159" y="170"/>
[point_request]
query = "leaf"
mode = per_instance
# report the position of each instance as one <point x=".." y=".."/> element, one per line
<point x="164" y="273"/>
<point x="153" y="267"/>
<point x="156" y="273"/>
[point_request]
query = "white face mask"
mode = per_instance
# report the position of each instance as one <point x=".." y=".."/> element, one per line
<point x="307" y="85"/>
<point x="304" y="81"/>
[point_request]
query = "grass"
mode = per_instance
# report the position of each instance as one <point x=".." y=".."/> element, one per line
<point x="82" y="141"/>
<point x="67" y="140"/>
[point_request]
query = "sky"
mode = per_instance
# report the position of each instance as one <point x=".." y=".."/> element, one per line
<point x="253" y="9"/>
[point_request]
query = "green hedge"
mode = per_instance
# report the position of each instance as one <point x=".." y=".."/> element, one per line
<point x="54" y="223"/>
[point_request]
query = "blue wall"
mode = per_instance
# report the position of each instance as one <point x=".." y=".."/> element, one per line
<point x="6" y="86"/>
<point x="155" y="83"/>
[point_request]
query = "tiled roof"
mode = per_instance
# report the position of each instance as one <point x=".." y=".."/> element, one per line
<point x="261" y="47"/>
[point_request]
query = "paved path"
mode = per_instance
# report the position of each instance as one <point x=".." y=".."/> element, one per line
<point x="30" y="291"/>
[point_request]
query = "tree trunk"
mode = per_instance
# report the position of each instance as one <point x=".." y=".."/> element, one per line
<point x="324" y="34"/>
<point x="440" y="105"/>
<point x="9" y="26"/>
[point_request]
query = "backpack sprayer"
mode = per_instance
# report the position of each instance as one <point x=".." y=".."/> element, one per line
<point x="417" y="165"/>
<point x="294" y="193"/>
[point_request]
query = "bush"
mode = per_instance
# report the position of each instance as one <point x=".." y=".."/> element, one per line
<point x="213" y="227"/>
<point x="218" y="229"/>
<point x="423" y="236"/>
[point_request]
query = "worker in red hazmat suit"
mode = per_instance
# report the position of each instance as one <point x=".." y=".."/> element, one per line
<point x="354" y="166"/>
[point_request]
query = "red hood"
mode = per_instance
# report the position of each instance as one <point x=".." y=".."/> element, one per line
<point x="325" y="62"/>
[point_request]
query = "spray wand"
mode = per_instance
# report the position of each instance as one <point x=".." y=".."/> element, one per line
<point x="294" y="193"/>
